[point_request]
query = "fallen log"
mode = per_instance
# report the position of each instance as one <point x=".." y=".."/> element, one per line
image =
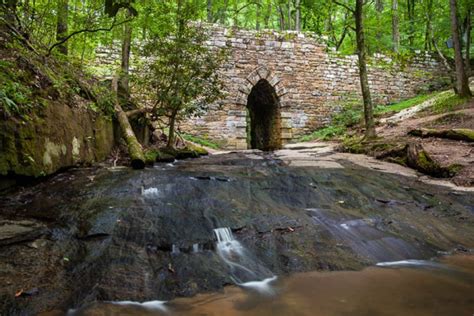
<point x="135" y="150"/>
<point x="419" y="159"/>
<point x="464" y="134"/>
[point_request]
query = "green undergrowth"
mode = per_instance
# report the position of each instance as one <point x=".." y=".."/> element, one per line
<point x="447" y="103"/>
<point x="352" y="116"/>
<point x="405" y="104"/>
<point x="29" y="82"/>
<point x="201" y="141"/>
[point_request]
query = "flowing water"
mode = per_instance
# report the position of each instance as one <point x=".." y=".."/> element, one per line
<point x="432" y="288"/>
<point x="245" y="269"/>
<point x="245" y="228"/>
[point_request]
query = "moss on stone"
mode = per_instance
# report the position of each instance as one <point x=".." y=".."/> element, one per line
<point x="151" y="156"/>
<point x="453" y="169"/>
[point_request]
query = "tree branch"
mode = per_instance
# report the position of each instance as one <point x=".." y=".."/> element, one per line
<point x="104" y="29"/>
<point x="344" y="6"/>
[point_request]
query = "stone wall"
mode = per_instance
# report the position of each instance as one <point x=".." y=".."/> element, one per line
<point x="311" y="81"/>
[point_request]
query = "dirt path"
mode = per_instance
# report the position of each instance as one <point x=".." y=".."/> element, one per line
<point x="446" y="152"/>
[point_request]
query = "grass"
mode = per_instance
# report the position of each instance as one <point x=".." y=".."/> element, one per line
<point x="201" y="141"/>
<point x="448" y="103"/>
<point x="325" y="133"/>
<point x="397" y="107"/>
<point x="352" y="115"/>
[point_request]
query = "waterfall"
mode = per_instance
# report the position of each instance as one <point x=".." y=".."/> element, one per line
<point x="246" y="270"/>
<point x="150" y="192"/>
<point x="174" y="249"/>
<point x="196" y="248"/>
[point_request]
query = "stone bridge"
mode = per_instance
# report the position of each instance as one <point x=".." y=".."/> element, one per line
<point x="282" y="85"/>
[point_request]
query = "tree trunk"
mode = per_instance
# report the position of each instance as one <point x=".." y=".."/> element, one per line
<point x="223" y="12"/>
<point x="462" y="83"/>
<point x="282" y="18"/>
<point x="209" y="11"/>
<point x="411" y="21"/>
<point x="61" y="24"/>
<point x="268" y="14"/>
<point x="395" y="27"/>
<point x="298" y="15"/>
<point x="257" y="14"/>
<point x="171" y="135"/>
<point x="378" y="34"/>
<point x="124" y="89"/>
<point x="364" y="82"/>
<point x="236" y="12"/>
<point x="288" y="24"/>
<point x="135" y="150"/>
<point x="429" y="29"/>
<point x="467" y="59"/>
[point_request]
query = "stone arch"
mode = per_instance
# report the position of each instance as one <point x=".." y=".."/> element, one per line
<point x="253" y="78"/>
<point x="263" y="117"/>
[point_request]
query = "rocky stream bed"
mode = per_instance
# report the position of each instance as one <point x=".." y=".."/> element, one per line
<point x="114" y="234"/>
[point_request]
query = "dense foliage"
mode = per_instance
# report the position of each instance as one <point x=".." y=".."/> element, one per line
<point x="419" y="22"/>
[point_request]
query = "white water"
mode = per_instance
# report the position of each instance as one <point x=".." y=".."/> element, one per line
<point x="150" y="191"/>
<point x="235" y="255"/>
<point x="175" y="249"/>
<point x="196" y="248"/>
<point x="410" y="262"/>
<point x="227" y="246"/>
<point x="152" y="305"/>
<point x="263" y="287"/>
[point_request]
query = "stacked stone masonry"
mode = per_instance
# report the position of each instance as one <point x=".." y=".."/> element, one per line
<point x="311" y="80"/>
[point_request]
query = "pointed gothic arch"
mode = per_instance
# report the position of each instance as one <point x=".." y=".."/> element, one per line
<point x="261" y="95"/>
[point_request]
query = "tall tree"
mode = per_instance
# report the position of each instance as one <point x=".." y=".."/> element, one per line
<point x="209" y="11"/>
<point x="268" y="14"/>
<point x="257" y="14"/>
<point x="462" y="83"/>
<point x="468" y="28"/>
<point x="429" y="21"/>
<point x="395" y="27"/>
<point x="411" y="22"/>
<point x="364" y="81"/>
<point x="288" y="25"/>
<point x="358" y="13"/>
<point x="298" y="15"/>
<point x="182" y="78"/>
<point x="125" y="60"/>
<point x="379" y="10"/>
<point x="62" y="24"/>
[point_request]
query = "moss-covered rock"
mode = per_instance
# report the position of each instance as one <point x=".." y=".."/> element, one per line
<point x="198" y="149"/>
<point x="151" y="156"/>
<point x="57" y="137"/>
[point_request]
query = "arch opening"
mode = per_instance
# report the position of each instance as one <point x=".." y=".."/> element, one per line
<point x="264" y="120"/>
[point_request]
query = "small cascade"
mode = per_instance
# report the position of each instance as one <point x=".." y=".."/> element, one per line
<point x="174" y="249"/>
<point x="197" y="248"/>
<point x="150" y="191"/>
<point x="246" y="270"/>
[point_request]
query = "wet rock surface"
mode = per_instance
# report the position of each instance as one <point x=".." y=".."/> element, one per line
<point x="118" y="234"/>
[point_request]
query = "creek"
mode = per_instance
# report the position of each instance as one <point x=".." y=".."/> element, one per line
<point x="244" y="233"/>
